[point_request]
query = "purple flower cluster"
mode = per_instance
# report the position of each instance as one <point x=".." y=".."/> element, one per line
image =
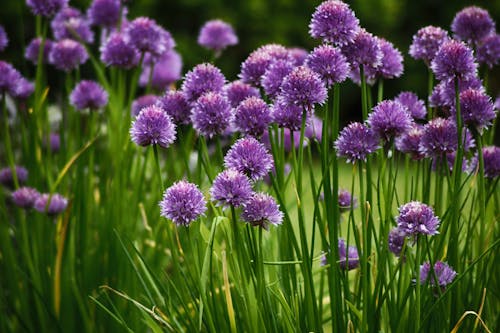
<point x="287" y="116"/>
<point x="46" y="7"/>
<point x="454" y="60"/>
<point x="472" y="24"/>
<point x="348" y="256"/>
<point x="33" y="49"/>
<point x="409" y="142"/>
<point x="356" y="142"/>
<point x="88" y="95"/>
<point x="261" y="210"/>
<point x="217" y="35"/>
<point x="50" y="204"/>
<point x="346" y="200"/>
<point x="304" y="88"/>
<point x="426" y="43"/>
<point x="364" y="51"/>
<point x="439" y="138"/>
<point x="254" y="67"/>
<point x="118" y="52"/>
<point x="201" y="79"/>
<point x="413" y="104"/>
<point x="444" y="273"/>
<point x="4" y="39"/>
<point x="252" y="116"/>
<point x="176" y="106"/>
<point x="390" y="120"/>
<point x="211" y="114"/>
<point x="237" y="91"/>
<point x="146" y="36"/>
<point x="477" y="109"/>
<point x="249" y="157"/>
<point x="105" y="13"/>
<point x="142" y="102"/>
<point x="7" y="177"/>
<point x="25" y="197"/>
<point x="166" y="71"/>
<point x="491" y="159"/>
<point x="13" y="83"/>
<point x="417" y="218"/>
<point x="153" y="127"/>
<point x="488" y="52"/>
<point x="231" y="188"/>
<point x="70" y="23"/>
<point x="274" y="75"/>
<point x="329" y="63"/>
<point x="183" y="203"/>
<point x="67" y="55"/>
<point x="396" y="241"/>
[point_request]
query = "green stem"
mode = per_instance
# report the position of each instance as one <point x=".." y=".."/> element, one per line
<point x="158" y="168"/>
<point x="417" y="285"/>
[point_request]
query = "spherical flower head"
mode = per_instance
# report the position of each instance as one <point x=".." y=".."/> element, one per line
<point x="391" y="64"/>
<point x="88" y="95"/>
<point x="472" y="24"/>
<point x="334" y="22"/>
<point x="454" y="60"/>
<point x="69" y="23"/>
<point x="363" y="50"/>
<point x="443" y="94"/>
<point x="444" y="273"/>
<point x="4" y="39"/>
<point x="488" y="52"/>
<point x="259" y="60"/>
<point x="413" y="104"/>
<point x="117" y="52"/>
<point x="183" y="203"/>
<point x="287" y="115"/>
<point x="477" y="109"/>
<point x="25" y="197"/>
<point x="396" y="241"/>
<point x="9" y="76"/>
<point x="409" y="142"/>
<point x="33" y="48"/>
<point x="211" y="114"/>
<point x="390" y="119"/>
<point x="7" y="177"/>
<point x="231" y="188"/>
<point x="23" y="89"/>
<point x="329" y="63"/>
<point x="56" y="205"/>
<point x="145" y="35"/>
<point x="417" y="218"/>
<point x="252" y="116"/>
<point x="346" y="200"/>
<point x="355" y="142"/>
<point x="166" y="71"/>
<point x="237" y="91"/>
<point x="426" y="43"/>
<point x="142" y="102"/>
<point x="201" y="79"/>
<point x="439" y="138"/>
<point x="53" y="143"/>
<point x="153" y="126"/>
<point x="298" y="55"/>
<point x="250" y="157"/>
<point x="273" y="77"/>
<point x="67" y="55"/>
<point x="175" y="104"/>
<point x="217" y="35"/>
<point x="491" y="159"/>
<point x="105" y="13"/>
<point x="348" y="256"/>
<point x="261" y="210"/>
<point x="304" y="88"/>
<point x="46" y="8"/>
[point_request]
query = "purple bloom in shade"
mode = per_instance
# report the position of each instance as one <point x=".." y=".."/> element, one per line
<point x="7" y="178"/>
<point x="69" y="23"/>
<point x="261" y="210"/>
<point x="439" y="138"/>
<point x="426" y="43"/>
<point x="444" y="273"/>
<point x="497" y="103"/>
<point x="477" y="109"/>
<point x="57" y="204"/>
<point x="415" y="106"/>
<point x="298" y="55"/>
<point x="396" y="241"/>
<point x="287" y="116"/>
<point x="391" y="65"/>
<point x="142" y="102"/>
<point x="491" y="158"/>
<point x="237" y="91"/>
<point x="211" y="114"/>
<point x="201" y="79"/>
<point x="153" y="127"/>
<point x="276" y="52"/>
<point x="454" y="60"/>
<point x="183" y="203"/>
<point x="231" y="188"/>
<point x="329" y="63"/>
<point x="252" y="116"/>
<point x="472" y="24"/>
<point x="363" y="50"/>
<point x="88" y="95"/>
<point x="176" y="106"/>
<point x="46" y="7"/>
<point x="9" y="77"/>
<point x="273" y="76"/>
<point x="67" y="55"/>
<point x="105" y="13"/>
<point x="390" y="119"/>
<point x="166" y="71"/>
<point x="33" y="48"/>
<point x="346" y="200"/>
<point x="259" y="60"/>
<point x="144" y="34"/>
<point x="217" y="35"/>
<point x="250" y="157"/>
<point x="488" y="52"/>
<point x="23" y="89"/>
<point x="25" y="197"/>
<point x="409" y="142"/>
<point x="417" y="218"/>
<point x="116" y="51"/>
<point x="4" y="39"/>
<point x="334" y="22"/>
<point x="355" y="142"/>
<point x="304" y="88"/>
<point x="53" y="143"/>
<point x="348" y="255"/>
<point x="443" y="94"/>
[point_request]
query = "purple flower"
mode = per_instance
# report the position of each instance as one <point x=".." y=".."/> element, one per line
<point x="396" y="240"/>
<point x="391" y="65"/>
<point x="105" y="13"/>
<point x="488" y="52"/>
<point x="4" y="39"/>
<point x="329" y="63"/>
<point x="142" y="102"/>
<point x="33" y="48"/>
<point x="334" y="22"/>
<point x="261" y="210"/>
<point x="116" y="51"/>
<point x="415" y="106"/>
<point x="355" y="142"/>
<point x="52" y="143"/>
<point x="390" y="120"/>
<point x="166" y="71"/>
<point x="298" y="55"/>
<point x="211" y="114"/>
<point x="259" y="60"/>
<point x="252" y="116"/>
<point x="25" y="197"/>
<point x="217" y="35"/>
<point x="201" y="79"/>
<point x="439" y="138"/>
<point x="273" y="76"/>
<point x="304" y="88"/>
<point x="444" y="273"/>
<point x="46" y="7"/>
<point x="176" y="106"/>
<point x="182" y="203"/>
<point x="348" y="255"/>
<point x="477" y="109"/>
<point x="69" y="23"/>
<point x="67" y="55"/>
<point x="88" y="95"/>
<point x="9" y="77"/>
<point x="287" y="116"/>
<point x="363" y="50"/>
<point x="145" y="35"/>
<point x="249" y="157"/>
<point x="454" y="60"/>
<point x="426" y="43"/>
<point x="472" y="24"/>
<point x="417" y="218"/>
<point x="7" y="178"/>
<point x="491" y="159"/>
<point x="231" y="188"/>
<point x="409" y="142"/>
<point x="153" y="127"/>
<point x="23" y="89"/>
<point x="443" y="94"/>
<point x="56" y="205"/>
<point x="237" y="91"/>
<point x="346" y="200"/>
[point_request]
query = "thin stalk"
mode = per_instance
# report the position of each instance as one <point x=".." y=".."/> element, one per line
<point x="481" y="187"/>
<point x="417" y="285"/>
<point x="158" y="168"/>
